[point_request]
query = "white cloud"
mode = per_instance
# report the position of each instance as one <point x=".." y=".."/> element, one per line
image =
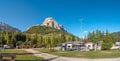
<point x="85" y="31"/>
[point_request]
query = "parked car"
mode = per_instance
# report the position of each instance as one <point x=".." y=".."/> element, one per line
<point x="6" y="46"/>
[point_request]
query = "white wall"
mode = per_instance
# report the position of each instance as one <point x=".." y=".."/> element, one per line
<point x="89" y="45"/>
<point x="69" y="46"/>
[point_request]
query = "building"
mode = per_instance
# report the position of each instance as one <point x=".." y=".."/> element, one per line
<point x="89" y="45"/>
<point x="93" y="46"/>
<point x="76" y="45"/>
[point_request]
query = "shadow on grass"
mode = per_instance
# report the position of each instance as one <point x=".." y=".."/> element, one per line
<point x="40" y="60"/>
<point x="30" y="54"/>
<point x="51" y="58"/>
<point x="21" y="60"/>
<point x="31" y="60"/>
<point x="22" y="53"/>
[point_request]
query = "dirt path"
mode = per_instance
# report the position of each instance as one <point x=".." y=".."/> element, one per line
<point x="50" y="57"/>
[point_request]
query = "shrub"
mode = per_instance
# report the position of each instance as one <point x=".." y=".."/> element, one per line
<point x="106" y="46"/>
<point x="52" y="50"/>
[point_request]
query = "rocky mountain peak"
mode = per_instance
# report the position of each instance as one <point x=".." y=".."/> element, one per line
<point x="50" y="22"/>
<point x="4" y="26"/>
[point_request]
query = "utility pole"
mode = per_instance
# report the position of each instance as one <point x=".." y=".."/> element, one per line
<point x="81" y="27"/>
<point x="81" y="32"/>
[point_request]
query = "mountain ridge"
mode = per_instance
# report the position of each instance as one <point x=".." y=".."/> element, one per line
<point x="4" y="26"/>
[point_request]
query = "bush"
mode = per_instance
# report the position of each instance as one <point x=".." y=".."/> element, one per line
<point x="106" y="46"/>
<point x="52" y="50"/>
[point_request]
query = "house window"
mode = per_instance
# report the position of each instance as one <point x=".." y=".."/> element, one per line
<point x="89" y="46"/>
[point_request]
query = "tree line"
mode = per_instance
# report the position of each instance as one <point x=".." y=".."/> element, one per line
<point x="26" y="40"/>
<point x="29" y="40"/>
<point x="107" y="38"/>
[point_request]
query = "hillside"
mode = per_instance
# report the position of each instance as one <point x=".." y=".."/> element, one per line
<point x="43" y="30"/>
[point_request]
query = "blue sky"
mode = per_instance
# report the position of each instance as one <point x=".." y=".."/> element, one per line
<point x="96" y="14"/>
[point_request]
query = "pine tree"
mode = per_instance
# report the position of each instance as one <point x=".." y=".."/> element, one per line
<point x="39" y="41"/>
<point x="13" y="39"/>
<point x="53" y="42"/>
<point x="7" y="37"/>
<point x="107" y="42"/>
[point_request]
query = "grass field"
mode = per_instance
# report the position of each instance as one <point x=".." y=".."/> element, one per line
<point x="22" y="55"/>
<point x="84" y="54"/>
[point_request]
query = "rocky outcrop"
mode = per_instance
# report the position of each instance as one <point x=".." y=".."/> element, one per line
<point x="50" y="22"/>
